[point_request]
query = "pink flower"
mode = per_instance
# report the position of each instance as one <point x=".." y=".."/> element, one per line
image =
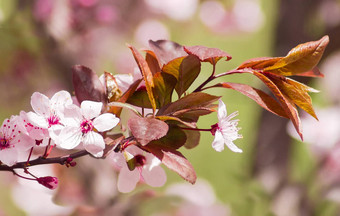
<point x="48" y="113"/>
<point x="80" y="124"/>
<point x="136" y="165"/>
<point x="13" y="139"/>
<point x="226" y="130"/>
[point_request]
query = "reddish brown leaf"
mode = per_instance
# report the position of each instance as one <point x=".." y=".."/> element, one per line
<point x="87" y="85"/>
<point x="260" y="97"/>
<point x="152" y="61"/>
<point x="175" y="119"/>
<point x="164" y="86"/>
<point x="175" y="138"/>
<point x="147" y="129"/>
<point x="173" y="67"/>
<point x="259" y="63"/>
<point x="140" y="98"/>
<point x="312" y="73"/>
<point x="147" y="75"/>
<point x="167" y="50"/>
<point x="206" y="54"/>
<point x="300" y="59"/>
<point x="190" y="101"/>
<point x="174" y="160"/>
<point x="188" y="72"/>
<point x="193" y="139"/>
<point x="112" y="89"/>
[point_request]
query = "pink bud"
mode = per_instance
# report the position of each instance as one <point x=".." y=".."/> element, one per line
<point x="48" y="181"/>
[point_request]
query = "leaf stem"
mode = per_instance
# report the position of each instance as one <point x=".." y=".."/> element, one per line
<point x="195" y="129"/>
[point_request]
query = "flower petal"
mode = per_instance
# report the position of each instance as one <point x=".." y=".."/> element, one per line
<point x="69" y="138"/>
<point x="9" y="156"/>
<point x="105" y="122"/>
<point x="94" y="143"/>
<point x="232" y="146"/>
<point x="40" y="104"/>
<point x="91" y="109"/>
<point x="222" y="110"/>
<point x="127" y="180"/>
<point x="218" y="143"/>
<point x="154" y="177"/>
<point x="61" y="99"/>
<point x="37" y="120"/>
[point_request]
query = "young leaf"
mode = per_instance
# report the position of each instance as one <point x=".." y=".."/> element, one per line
<point x="140" y="98"/>
<point x="147" y="129"/>
<point x="260" y="97"/>
<point x="190" y="101"/>
<point x="147" y="75"/>
<point x="300" y="59"/>
<point x="173" y="67"/>
<point x="174" y="160"/>
<point x="206" y="54"/>
<point x="112" y="89"/>
<point x="193" y="139"/>
<point x="175" y="138"/>
<point x="87" y="85"/>
<point x="167" y="50"/>
<point x="177" y="120"/>
<point x="164" y="86"/>
<point x="259" y="63"/>
<point x="152" y="61"/>
<point x="188" y="72"/>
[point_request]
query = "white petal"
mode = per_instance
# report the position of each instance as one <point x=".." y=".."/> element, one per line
<point x="9" y="156"/>
<point x="105" y="122"/>
<point x="127" y="180"/>
<point x="155" y="177"/>
<point x="218" y="143"/>
<point x="91" y="109"/>
<point x="222" y="110"/>
<point x="54" y="131"/>
<point x="40" y="104"/>
<point x="61" y="99"/>
<point x="94" y="143"/>
<point x="69" y="138"/>
<point x="37" y="120"/>
<point x="232" y="146"/>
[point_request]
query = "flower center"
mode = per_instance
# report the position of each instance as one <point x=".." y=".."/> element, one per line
<point x="86" y="126"/>
<point x="214" y="129"/>
<point x="53" y="120"/>
<point x="140" y="160"/>
<point x="4" y="143"/>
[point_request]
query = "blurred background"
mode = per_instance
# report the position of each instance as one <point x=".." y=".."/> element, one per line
<point x="40" y="40"/>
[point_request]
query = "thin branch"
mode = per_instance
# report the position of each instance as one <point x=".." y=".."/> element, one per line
<point x="41" y="160"/>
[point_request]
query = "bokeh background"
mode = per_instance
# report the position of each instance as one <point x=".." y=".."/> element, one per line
<point x="40" y="40"/>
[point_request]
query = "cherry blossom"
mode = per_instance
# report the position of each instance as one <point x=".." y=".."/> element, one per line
<point x="141" y="166"/>
<point x="226" y="130"/>
<point x="48" y="113"/>
<point x="80" y="125"/>
<point x="13" y="139"/>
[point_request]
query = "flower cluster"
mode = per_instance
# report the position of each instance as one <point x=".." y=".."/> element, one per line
<point x="158" y="123"/>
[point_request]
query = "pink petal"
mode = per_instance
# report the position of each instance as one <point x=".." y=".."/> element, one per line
<point x="222" y="110"/>
<point x="105" y="122"/>
<point x="24" y="142"/>
<point x="91" y="109"/>
<point x="218" y="143"/>
<point x="9" y="156"/>
<point x="37" y="120"/>
<point x="155" y="177"/>
<point x="61" y="99"/>
<point x="69" y="138"/>
<point x="94" y="143"/>
<point x="127" y="180"/>
<point x="232" y="146"/>
<point x="40" y="104"/>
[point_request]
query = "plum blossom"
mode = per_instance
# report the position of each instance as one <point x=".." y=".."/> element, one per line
<point x="80" y="125"/>
<point x="226" y="130"/>
<point x="141" y="166"/>
<point x="13" y="140"/>
<point x="48" y="113"/>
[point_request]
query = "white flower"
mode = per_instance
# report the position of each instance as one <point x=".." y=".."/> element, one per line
<point x="48" y="113"/>
<point x="80" y="124"/>
<point x="13" y="139"/>
<point x="146" y="169"/>
<point x="226" y="130"/>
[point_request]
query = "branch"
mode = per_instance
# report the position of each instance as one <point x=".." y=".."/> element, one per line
<point x="41" y="160"/>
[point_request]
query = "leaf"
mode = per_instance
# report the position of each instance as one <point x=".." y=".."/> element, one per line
<point x="87" y="85"/>
<point x="193" y="139"/>
<point x="140" y="98"/>
<point x="111" y="142"/>
<point x="190" y="101"/>
<point x="315" y="72"/>
<point x="147" y="75"/>
<point x="175" y="119"/>
<point x="164" y="86"/>
<point x="191" y="115"/>
<point x="288" y="107"/>
<point x="259" y="63"/>
<point x="147" y="129"/>
<point x="123" y="105"/>
<point x="174" y="160"/>
<point x="175" y="138"/>
<point x="295" y="91"/>
<point x="167" y="50"/>
<point x="189" y="69"/>
<point x="206" y="54"/>
<point x="112" y="90"/>
<point x="125" y="97"/>
<point x="173" y="67"/>
<point x="300" y="59"/>
<point x="260" y="97"/>
<point x="152" y="61"/>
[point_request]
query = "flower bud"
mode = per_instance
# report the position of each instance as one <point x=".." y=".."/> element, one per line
<point x="48" y="181"/>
